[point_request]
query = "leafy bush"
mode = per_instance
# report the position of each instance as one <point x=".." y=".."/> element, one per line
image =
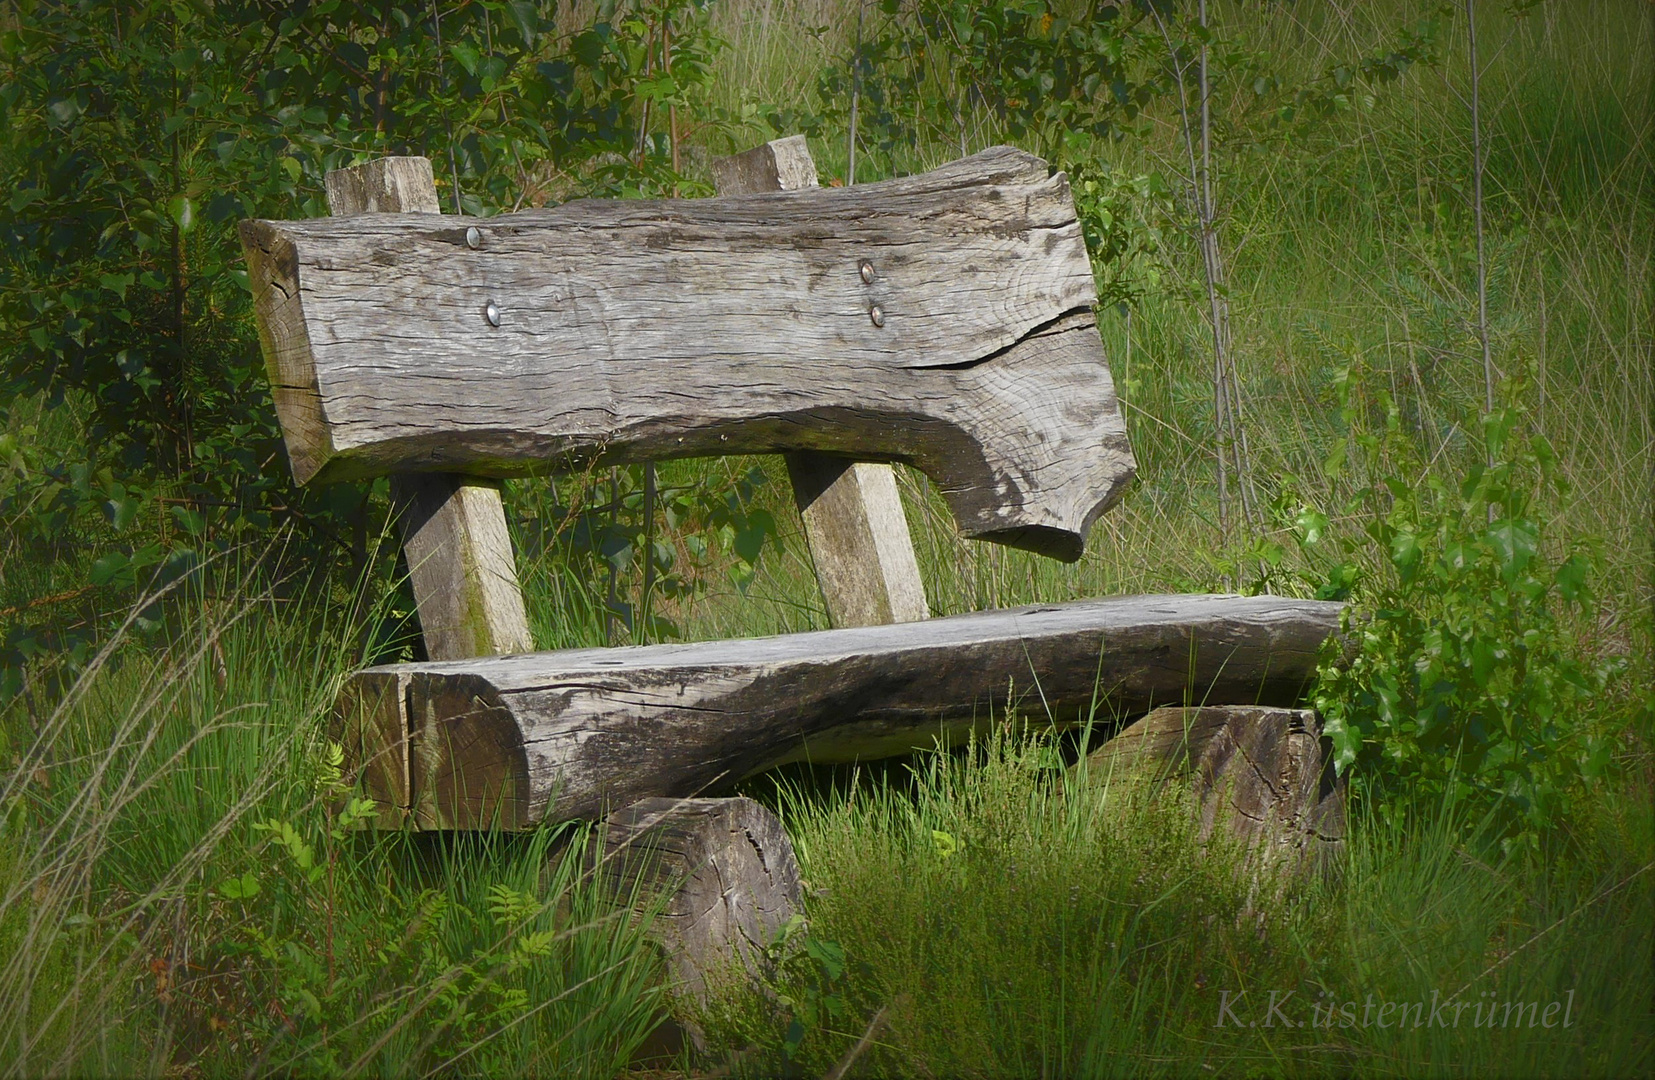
<point x="133" y="139"/>
<point x="1467" y="682"/>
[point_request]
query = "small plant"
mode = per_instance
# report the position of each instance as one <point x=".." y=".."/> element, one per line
<point x="812" y="980"/>
<point x="1466" y="683"/>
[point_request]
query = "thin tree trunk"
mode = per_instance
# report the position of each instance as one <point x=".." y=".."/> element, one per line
<point x="672" y="109"/>
<point x="442" y="77"/>
<point x="1232" y="455"/>
<point x="609" y="600"/>
<point x="855" y="96"/>
<point x="1477" y="207"/>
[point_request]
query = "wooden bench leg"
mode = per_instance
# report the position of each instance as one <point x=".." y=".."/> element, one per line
<point x="460" y="564"/>
<point x="852" y="512"/>
<point x="453" y="527"/>
<point x="1260" y="775"/>
<point x="732" y="879"/>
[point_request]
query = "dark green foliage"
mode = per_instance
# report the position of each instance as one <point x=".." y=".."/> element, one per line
<point x="1467" y="683"/>
<point x="135" y="139"/>
<point x="702" y="526"/>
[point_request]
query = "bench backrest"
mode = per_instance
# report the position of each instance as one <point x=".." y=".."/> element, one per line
<point x="943" y="320"/>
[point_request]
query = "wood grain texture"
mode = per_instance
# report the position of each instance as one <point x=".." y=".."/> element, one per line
<point x="459" y="554"/>
<point x="731" y="875"/>
<point x="633" y="331"/>
<point x="461" y="566"/>
<point x="852" y="512"/>
<point x="558" y="735"/>
<point x="370" y="724"/>
<point x="388" y="185"/>
<point x="1263" y="776"/>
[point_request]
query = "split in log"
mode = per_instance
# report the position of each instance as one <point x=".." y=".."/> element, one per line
<point x="1262" y="776"/>
<point x="943" y="320"/>
<point x="515" y="740"/>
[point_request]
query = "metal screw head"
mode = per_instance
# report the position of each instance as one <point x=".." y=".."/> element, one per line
<point x="491" y="312"/>
<point x="866" y="270"/>
<point x="877" y="316"/>
<point x="473" y="237"/>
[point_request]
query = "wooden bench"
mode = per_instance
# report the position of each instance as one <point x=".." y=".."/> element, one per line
<point x="941" y="320"/>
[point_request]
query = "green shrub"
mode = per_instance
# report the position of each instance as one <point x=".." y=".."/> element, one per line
<point x="1466" y="680"/>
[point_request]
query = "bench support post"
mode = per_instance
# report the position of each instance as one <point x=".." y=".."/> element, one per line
<point x="453" y="527"/>
<point x="853" y="519"/>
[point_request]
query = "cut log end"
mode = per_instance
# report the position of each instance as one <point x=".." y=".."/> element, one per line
<point x="729" y="875"/>
<point x="1261" y="776"/>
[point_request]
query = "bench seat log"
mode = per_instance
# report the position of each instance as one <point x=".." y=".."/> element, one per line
<point x="943" y="320"/>
<point x="516" y="740"/>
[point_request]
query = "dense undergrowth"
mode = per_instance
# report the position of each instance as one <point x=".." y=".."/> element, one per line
<point x="183" y="892"/>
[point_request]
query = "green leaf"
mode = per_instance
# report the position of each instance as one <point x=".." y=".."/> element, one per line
<point x="189" y="520"/>
<point x="749" y="541"/>
<point x="1312" y="524"/>
<point x="524" y="17"/>
<point x="239" y="888"/>
<point x="108" y="567"/>
<point x="1347" y="743"/>
<point x="1334" y="464"/>
<point x="1405" y="551"/>
<point x="467" y="54"/>
<point x="1571" y="578"/>
<point x="182" y="211"/>
<point x="117" y="283"/>
<point x="1515" y="542"/>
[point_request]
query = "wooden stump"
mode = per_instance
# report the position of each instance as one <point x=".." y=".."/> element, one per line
<point x="1262" y="775"/>
<point x="730" y="870"/>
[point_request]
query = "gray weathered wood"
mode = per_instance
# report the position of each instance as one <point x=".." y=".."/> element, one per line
<point x="778" y="165"/>
<point x="389" y="185"/>
<point x="852" y="511"/>
<point x="859" y="541"/>
<point x="1260" y="775"/>
<point x="453" y="528"/>
<point x="461" y="565"/>
<point x="634" y="331"/>
<point x="549" y="736"/>
<point x="731" y="877"/>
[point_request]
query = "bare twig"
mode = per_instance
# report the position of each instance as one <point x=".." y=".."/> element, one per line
<point x="839" y="1071"/>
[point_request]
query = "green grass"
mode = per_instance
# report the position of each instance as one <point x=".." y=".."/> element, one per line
<point x="152" y="919"/>
<point x="1062" y="928"/>
<point x="1062" y="935"/>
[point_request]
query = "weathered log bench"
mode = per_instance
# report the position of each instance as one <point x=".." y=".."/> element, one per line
<point x="941" y="320"/>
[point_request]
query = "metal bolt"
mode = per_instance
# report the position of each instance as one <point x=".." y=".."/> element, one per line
<point x="866" y="269"/>
<point x="491" y="312"/>
<point x="473" y="237"/>
<point x="877" y="316"/>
